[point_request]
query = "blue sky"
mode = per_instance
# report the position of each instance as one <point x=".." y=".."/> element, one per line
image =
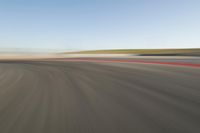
<point x="99" y="24"/>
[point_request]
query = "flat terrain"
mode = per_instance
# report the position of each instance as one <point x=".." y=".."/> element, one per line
<point x="98" y="97"/>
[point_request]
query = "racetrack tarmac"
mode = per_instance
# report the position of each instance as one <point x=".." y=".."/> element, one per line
<point x="107" y="97"/>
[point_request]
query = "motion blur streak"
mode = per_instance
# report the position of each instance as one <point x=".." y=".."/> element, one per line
<point x="88" y="97"/>
<point x="135" y="61"/>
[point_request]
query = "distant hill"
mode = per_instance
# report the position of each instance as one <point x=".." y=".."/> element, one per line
<point x="143" y="52"/>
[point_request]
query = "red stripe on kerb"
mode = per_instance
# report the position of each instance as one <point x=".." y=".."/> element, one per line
<point x="138" y="61"/>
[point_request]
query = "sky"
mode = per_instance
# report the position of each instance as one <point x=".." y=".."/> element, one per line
<point x="65" y="25"/>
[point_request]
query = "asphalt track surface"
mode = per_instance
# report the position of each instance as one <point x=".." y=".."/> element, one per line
<point x="95" y="97"/>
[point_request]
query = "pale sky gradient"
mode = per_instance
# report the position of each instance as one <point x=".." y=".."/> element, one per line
<point x="99" y="24"/>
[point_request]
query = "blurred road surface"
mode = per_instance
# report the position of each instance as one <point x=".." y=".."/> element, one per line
<point x="85" y="97"/>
